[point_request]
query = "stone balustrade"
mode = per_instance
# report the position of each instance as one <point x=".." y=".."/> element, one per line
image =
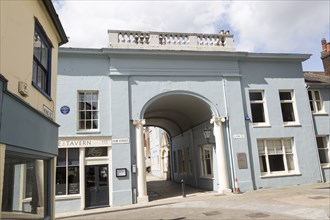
<point x="171" y="41"/>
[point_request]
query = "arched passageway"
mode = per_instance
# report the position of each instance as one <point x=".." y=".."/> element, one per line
<point x="184" y="117"/>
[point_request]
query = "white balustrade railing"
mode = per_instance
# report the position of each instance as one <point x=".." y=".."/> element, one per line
<point x="169" y="40"/>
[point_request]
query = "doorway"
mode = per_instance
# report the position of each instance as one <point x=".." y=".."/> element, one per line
<point x="97" y="186"/>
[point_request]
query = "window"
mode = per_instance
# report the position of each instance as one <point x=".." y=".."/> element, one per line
<point x="323" y="147"/>
<point x="189" y="161"/>
<point x="276" y="156"/>
<point x="174" y="161"/>
<point x="67" y="171"/>
<point x="182" y="168"/>
<point x="315" y="101"/>
<point x="88" y="111"/>
<point x="41" y="75"/>
<point x="24" y="178"/>
<point x="258" y="106"/>
<point x="206" y="161"/>
<point x="287" y="107"/>
<point x="96" y="151"/>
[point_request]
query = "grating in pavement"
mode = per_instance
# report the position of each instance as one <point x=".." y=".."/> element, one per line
<point x="257" y="215"/>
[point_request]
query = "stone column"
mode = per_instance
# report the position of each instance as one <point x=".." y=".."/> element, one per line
<point x="140" y="162"/>
<point x="220" y="154"/>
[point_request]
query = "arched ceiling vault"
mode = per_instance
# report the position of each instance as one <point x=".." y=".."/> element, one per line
<point x="177" y="113"/>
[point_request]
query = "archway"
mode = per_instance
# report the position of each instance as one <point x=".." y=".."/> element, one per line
<point x="182" y="115"/>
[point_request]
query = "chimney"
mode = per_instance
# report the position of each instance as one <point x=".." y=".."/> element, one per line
<point x="325" y="56"/>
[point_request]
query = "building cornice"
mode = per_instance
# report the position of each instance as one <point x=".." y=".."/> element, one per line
<point x="53" y="15"/>
<point x="237" y="55"/>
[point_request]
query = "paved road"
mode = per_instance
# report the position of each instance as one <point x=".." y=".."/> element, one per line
<point x="310" y="201"/>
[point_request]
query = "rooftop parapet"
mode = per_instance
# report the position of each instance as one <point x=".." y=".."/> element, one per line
<point x="171" y="40"/>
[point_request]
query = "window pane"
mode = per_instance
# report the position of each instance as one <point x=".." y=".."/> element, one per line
<point x="319" y="105"/>
<point x="82" y="116"/>
<point x="287" y="112"/>
<point x="73" y="180"/>
<point x="285" y="96"/>
<point x="82" y="106"/>
<point x="263" y="166"/>
<point x="324" y="155"/>
<point x="96" y="151"/>
<point x="289" y="161"/>
<point x="320" y="142"/>
<point x="82" y="125"/>
<point x="255" y="96"/>
<point x="61" y="181"/>
<point x="95" y="124"/>
<point x="103" y="176"/>
<point x="90" y="176"/>
<point x="208" y="166"/>
<point x="310" y="96"/>
<point x="73" y="158"/>
<point x="81" y="97"/>
<point x="276" y="163"/>
<point x="311" y="105"/>
<point x="37" y="46"/>
<point x="61" y="158"/>
<point x="29" y="179"/>
<point x="258" y="114"/>
<point x="95" y="105"/>
<point x="317" y="95"/>
<point x="44" y="56"/>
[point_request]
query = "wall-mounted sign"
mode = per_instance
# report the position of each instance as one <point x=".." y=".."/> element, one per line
<point x="65" y="110"/>
<point x="242" y="161"/>
<point x="83" y="142"/>
<point x="120" y="141"/>
<point x="48" y="112"/>
<point x="121" y="172"/>
<point x="238" y="136"/>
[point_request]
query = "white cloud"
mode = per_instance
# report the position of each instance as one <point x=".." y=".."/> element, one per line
<point x="258" y="26"/>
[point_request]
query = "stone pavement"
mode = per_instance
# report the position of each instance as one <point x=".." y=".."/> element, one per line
<point x="311" y="201"/>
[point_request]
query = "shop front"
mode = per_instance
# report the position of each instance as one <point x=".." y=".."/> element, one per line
<point x="82" y="173"/>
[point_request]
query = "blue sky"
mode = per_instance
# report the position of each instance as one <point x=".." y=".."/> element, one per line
<point x="258" y="26"/>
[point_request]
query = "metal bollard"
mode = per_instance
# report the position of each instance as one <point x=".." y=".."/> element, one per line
<point x="183" y="188"/>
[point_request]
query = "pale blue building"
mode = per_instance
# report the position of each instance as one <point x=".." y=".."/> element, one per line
<point x="255" y="107"/>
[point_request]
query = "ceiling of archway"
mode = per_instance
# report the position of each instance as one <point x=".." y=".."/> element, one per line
<point x="177" y="113"/>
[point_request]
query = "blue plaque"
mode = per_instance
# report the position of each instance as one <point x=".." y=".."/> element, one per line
<point x="65" y="110"/>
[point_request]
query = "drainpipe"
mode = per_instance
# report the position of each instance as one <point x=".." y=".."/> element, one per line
<point x="229" y="140"/>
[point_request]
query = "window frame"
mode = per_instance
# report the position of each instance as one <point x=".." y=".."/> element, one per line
<point x="92" y="130"/>
<point x="182" y="162"/>
<point x="292" y="101"/>
<point x="325" y="140"/>
<point x="314" y="100"/>
<point x="67" y="166"/>
<point x="264" y="105"/>
<point x="267" y="169"/>
<point x="203" y="164"/>
<point x="44" y="89"/>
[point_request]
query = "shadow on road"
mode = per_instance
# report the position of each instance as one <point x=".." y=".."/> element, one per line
<point x="162" y="189"/>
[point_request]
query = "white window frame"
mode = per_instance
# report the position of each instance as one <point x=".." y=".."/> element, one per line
<point x="313" y="101"/>
<point x="79" y="130"/>
<point x="284" y="152"/>
<point x="203" y="158"/>
<point x="294" y="107"/>
<point x="264" y="104"/>
<point x="325" y="140"/>
<point x="181" y="159"/>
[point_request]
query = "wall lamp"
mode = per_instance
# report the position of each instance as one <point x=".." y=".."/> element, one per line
<point x="207" y="133"/>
